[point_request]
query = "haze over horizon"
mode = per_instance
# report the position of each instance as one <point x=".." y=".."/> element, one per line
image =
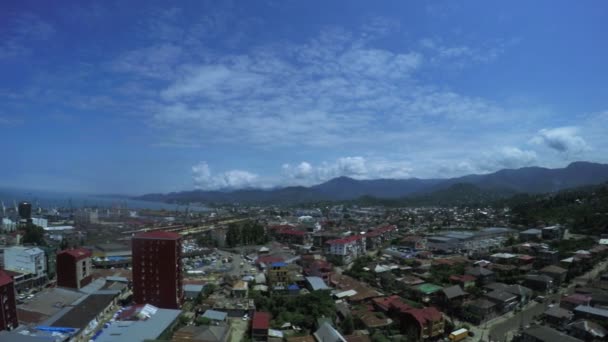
<point x="140" y="98"/>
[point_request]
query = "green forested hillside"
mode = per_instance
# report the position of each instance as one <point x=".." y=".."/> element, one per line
<point x="584" y="210"/>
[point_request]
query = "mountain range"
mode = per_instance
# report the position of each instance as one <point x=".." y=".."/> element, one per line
<point x="498" y="184"/>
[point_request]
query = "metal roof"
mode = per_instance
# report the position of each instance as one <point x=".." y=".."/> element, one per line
<point x="136" y="331"/>
<point x="316" y="283"/>
<point x="215" y="315"/>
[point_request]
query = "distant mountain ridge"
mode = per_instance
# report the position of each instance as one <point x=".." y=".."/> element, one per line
<point x="507" y="181"/>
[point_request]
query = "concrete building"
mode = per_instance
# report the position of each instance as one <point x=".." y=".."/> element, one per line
<point x="157" y="269"/>
<point x="30" y="262"/>
<point x="8" y="225"/>
<point x="8" y="307"/>
<point x="74" y="268"/>
<point x="278" y="274"/>
<point x="532" y="234"/>
<point x="40" y="222"/>
<point x="86" y="217"/>
<point x="346" y="249"/>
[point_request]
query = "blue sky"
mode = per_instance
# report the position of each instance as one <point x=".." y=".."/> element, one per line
<point x="128" y="97"/>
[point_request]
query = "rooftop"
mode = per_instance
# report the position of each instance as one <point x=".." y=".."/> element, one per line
<point x="261" y="320"/>
<point x="546" y="334"/>
<point x="162" y="235"/>
<point x="148" y="329"/>
<point x="78" y="253"/>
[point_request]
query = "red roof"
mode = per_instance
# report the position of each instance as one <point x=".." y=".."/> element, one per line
<point x="78" y="253"/>
<point x="345" y="240"/>
<point x="463" y="278"/>
<point x="393" y="301"/>
<point x="5" y="278"/>
<point x="291" y="232"/>
<point x="429" y="314"/>
<point x="268" y="259"/>
<point x="261" y="320"/>
<point x="281" y="226"/>
<point x="381" y="230"/>
<point x="159" y="235"/>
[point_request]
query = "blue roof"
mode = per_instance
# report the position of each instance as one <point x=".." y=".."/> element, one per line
<point x="316" y="283"/>
<point x="293" y="287"/>
<point x="215" y="315"/>
<point x="278" y="264"/>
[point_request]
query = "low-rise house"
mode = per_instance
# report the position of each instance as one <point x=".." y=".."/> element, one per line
<point x="590" y="312"/>
<point x="523" y="293"/>
<point x="557" y="273"/>
<point x="465" y="281"/>
<point x="192" y="291"/>
<point x="139" y="323"/>
<point x="532" y="234"/>
<point x="572" y="301"/>
<point x="319" y="268"/>
<point x="547" y="257"/>
<point x="505" y="301"/>
<point x="538" y="282"/>
<point x="327" y="333"/>
<point x="552" y="233"/>
<point x="215" y="316"/>
<point x="260" y="324"/>
<point x="373" y="320"/>
<point x="204" y="333"/>
<point x="427" y="323"/>
<point x="427" y="292"/>
<point x="316" y="284"/>
<point x="414" y="242"/>
<point x="587" y="330"/>
<point x="545" y="334"/>
<point x="480" y="310"/>
<point x="453" y="296"/>
<point x="240" y="289"/>
<point x="558" y="317"/>
<point x="483" y="275"/>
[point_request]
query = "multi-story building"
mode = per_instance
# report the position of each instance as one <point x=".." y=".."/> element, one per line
<point x="278" y="274"/>
<point x="74" y="268"/>
<point x="86" y="217"/>
<point x="29" y="262"/>
<point x="346" y="249"/>
<point x="379" y="236"/>
<point x="40" y="222"/>
<point x="8" y="304"/>
<point x="157" y="269"/>
<point x="426" y="323"/>
<point x="8" y="225"/>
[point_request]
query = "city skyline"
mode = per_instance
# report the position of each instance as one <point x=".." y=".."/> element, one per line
<point x="112" y="99"/>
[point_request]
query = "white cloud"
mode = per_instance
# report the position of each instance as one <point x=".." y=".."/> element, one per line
<point x="507" y="158"/>
<point x="356" y="167"/>
<point x="562" y="139"/>
<point x="233" y="179"/>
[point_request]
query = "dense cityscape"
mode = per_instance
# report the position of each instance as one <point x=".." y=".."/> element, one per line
<point x="269" y="273"/>
<point x="303" y="171"/>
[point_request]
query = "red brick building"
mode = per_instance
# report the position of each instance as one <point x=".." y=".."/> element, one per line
<point x="157" y="269"/>
<point x="74" y="268"/>
<point x="8" y="304"/>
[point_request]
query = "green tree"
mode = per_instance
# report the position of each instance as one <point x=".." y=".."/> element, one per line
<point x="202" y="321"/>
<point x="347" y="325"/>
<point x="34" y="235"/>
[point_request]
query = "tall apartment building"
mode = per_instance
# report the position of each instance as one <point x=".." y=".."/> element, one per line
<point x="157" y="269"/>
<point x="74" y="268"/>
<point x="8" y="304"/>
